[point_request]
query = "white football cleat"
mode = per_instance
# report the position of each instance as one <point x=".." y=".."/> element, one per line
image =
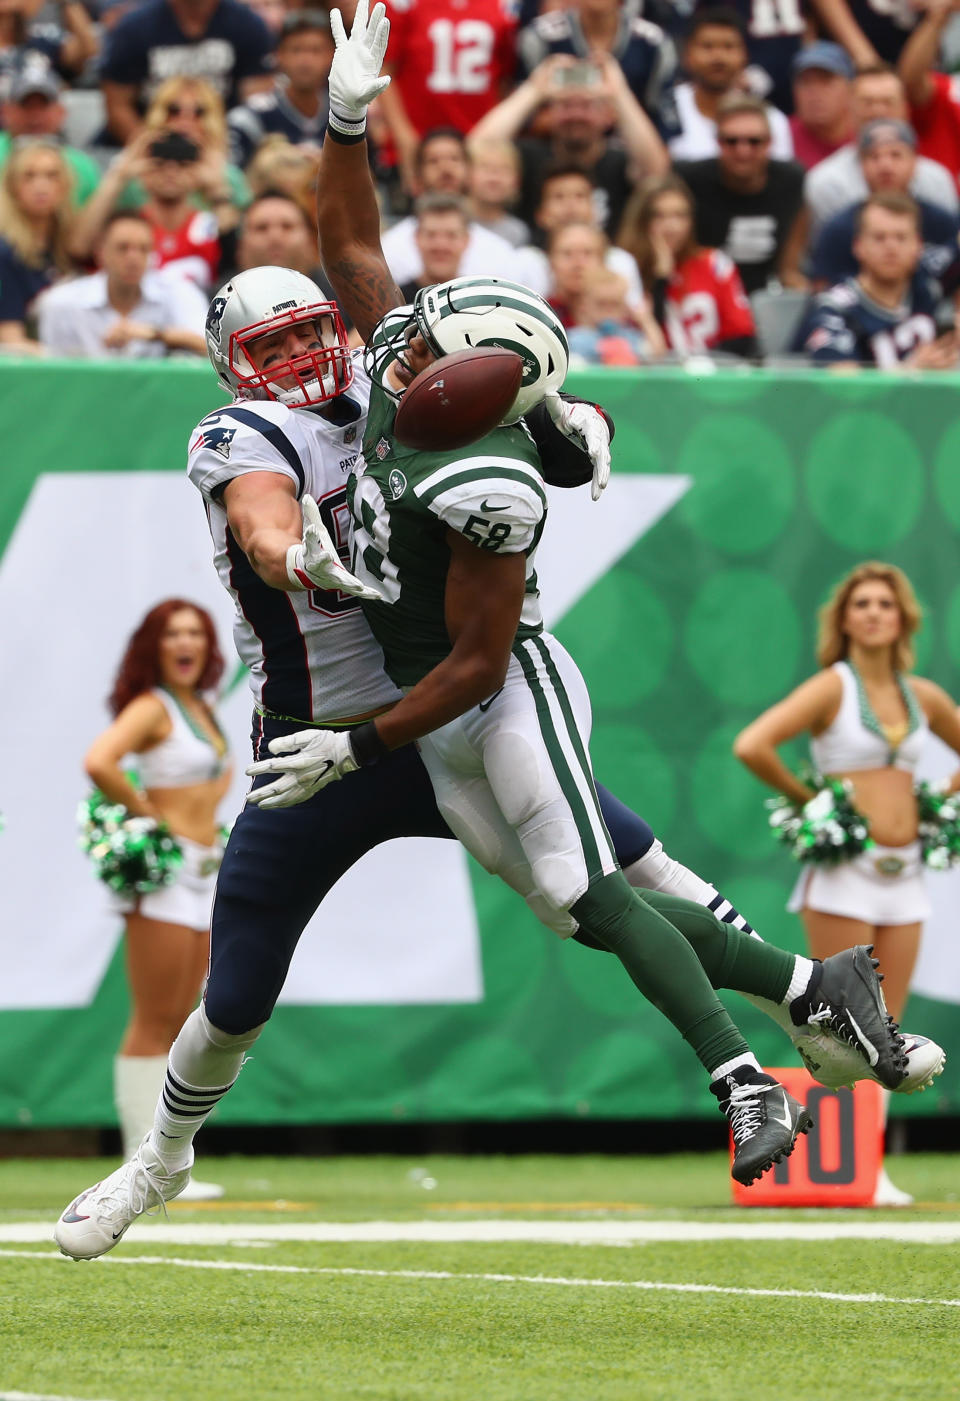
<point x="94" y="1222"/>
<point x="200" y="1192"/>
<point x="838" y="1066"/>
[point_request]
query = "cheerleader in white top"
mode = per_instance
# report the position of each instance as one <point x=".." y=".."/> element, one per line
<point x="868" y="719"/>
<point x="163" y="719"/>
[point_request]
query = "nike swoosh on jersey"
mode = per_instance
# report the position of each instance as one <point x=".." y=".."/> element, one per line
<point x="485" y="705"/>
<point x="485" y="506"/>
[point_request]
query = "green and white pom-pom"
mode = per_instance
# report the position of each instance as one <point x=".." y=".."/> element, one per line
<point x="132" y="855"/>
<point x="938" y="815"/>
<point x="825" y="831"/>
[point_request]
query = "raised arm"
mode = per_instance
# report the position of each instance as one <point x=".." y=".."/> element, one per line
<point x="348" y="217"/>
<point x="922" y="49"/>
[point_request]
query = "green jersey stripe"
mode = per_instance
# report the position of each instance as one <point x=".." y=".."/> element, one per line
<point x="579" y="749"/>
<point x="489" y="478"/>
<point x="566" y="777"/>
<point x="478" y="466"/>
<point x="533" y="308"/>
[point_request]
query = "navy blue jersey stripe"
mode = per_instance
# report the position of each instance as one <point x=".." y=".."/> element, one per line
<point x="286" y="688"/>
<point x="274" y="435"/>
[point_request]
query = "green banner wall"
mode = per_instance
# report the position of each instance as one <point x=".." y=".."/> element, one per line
<point x="705" y="620"/>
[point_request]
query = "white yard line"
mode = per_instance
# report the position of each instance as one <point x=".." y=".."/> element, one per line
<point x="36" y="1396"/>
<point x="254" y="1267"/>
<point x="607" y="1232"/>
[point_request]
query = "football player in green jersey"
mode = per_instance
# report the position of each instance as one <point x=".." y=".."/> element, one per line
<point x="499" y="709"/>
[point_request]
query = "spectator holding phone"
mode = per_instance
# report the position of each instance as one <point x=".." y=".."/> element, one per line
<point x="573" y="103"/>
<point x="588" y="29"/>
<point x="884" y="316"/>
<point x="36" y="211"/>
<point x="168" y="166"/>
<point x="123" y="310"/>
<point x="194" y="108"/>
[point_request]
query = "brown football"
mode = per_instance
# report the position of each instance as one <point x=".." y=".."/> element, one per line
<point x="458" y="399"/>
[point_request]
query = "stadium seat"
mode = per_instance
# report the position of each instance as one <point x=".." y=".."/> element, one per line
<point x="777" y="316"/>
<point x="86" y="115"/>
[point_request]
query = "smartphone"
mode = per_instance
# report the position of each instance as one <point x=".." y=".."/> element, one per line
<point x="173" y="146"/>
<point x="578" y="75"/>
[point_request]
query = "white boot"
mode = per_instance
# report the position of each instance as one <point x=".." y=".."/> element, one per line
<point x="137" y="1082"/>
<point x="887" y="1193"/>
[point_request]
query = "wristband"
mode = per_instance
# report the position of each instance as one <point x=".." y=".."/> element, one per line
<point x="366" y="744"/>
<point x="346" y="131"/>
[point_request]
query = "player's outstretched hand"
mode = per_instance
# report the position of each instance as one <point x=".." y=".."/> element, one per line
<point x="306" y="762"/>
<point x="586" y="426"/>
<point x="355" y="79"/>
<point x="315" y="563"/>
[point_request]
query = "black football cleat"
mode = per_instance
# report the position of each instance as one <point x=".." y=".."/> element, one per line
<point x="847" y="1002"/>
<point x="765" y="1121"/>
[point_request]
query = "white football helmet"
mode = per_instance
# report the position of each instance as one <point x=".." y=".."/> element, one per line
<point x="261" y="302"/>
<point x="468" y="312"/>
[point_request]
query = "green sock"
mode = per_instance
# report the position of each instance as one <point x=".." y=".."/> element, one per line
<point x="729" y="957"/>
<point x="662" y="964"/>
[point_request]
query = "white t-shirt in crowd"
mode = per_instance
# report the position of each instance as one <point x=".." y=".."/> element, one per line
<point x="74" y="317"/>
<point x="837" y="182"/>
<point x="486" y="255"/>
<point x="697" y="140"/>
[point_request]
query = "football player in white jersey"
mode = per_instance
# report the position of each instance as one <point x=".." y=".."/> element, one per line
<point x="271" y="468"/>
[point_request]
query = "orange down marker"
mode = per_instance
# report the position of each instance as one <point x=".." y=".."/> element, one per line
<point x="838" y="1161"/>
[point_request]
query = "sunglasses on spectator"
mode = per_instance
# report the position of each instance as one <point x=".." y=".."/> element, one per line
<point x="177" y="109"/>
<point x="753" y="141"/>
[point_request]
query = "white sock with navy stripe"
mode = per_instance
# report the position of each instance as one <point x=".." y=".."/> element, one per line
<point x="204" y="1063"/>
<point x="655" y="870"/>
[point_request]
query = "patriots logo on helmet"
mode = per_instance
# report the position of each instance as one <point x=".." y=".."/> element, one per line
<point x="214" y="317"/>
<point x="218" y="440"/>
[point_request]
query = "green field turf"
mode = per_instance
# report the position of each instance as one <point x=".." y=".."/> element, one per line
<point x="302" y="1320"/>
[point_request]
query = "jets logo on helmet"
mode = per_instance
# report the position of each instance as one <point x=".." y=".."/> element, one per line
<point x="469" y="313"/>
<point x="309" y="367"/>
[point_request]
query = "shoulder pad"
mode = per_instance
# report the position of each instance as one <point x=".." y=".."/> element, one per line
<point x="498" y="502"/>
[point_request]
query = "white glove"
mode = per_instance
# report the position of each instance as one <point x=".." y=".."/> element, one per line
<point x="315" y="564"/>
<point x="354" y="79"/>
<point x="316" y="758"/>
<point x="586" y="426"/>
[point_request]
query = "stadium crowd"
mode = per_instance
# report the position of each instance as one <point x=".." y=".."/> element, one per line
<point x="769" y="179"/>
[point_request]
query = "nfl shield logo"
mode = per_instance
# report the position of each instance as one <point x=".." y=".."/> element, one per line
<point x="350" y="434"/>
<point x="382" y="448"/>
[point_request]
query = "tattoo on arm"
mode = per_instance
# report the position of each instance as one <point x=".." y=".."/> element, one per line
<point x="365" y="289"/>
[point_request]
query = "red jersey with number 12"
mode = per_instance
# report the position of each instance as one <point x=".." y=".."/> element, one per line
<point x="706" y="303"/>
<point x="450" y="58"/>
